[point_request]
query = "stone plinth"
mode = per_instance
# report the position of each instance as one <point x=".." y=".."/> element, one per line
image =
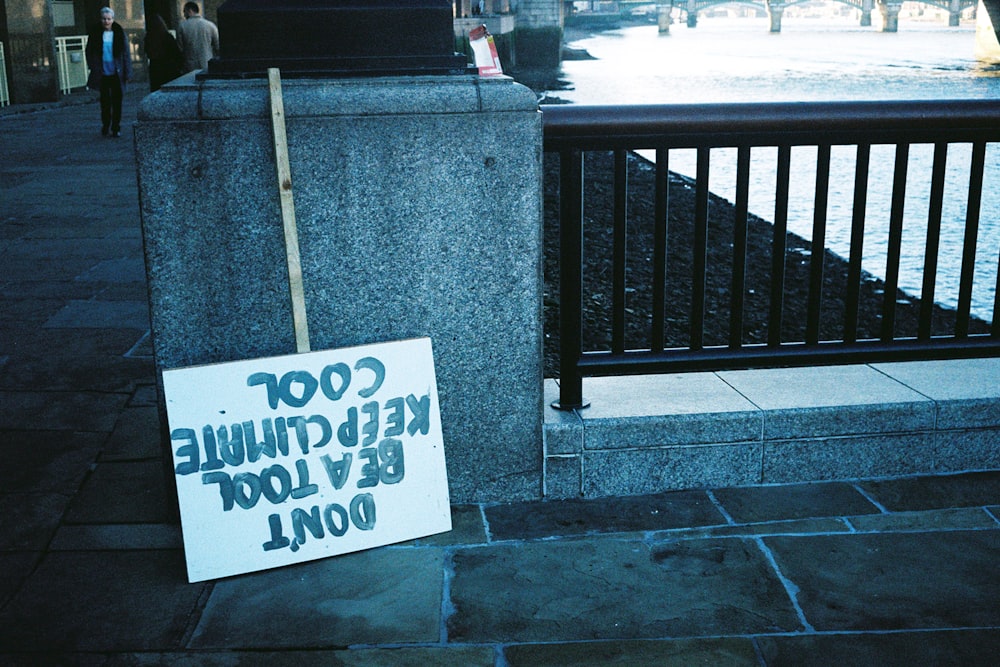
<point x="418" y="202"/>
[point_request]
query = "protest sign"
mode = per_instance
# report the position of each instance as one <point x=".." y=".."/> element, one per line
<point x="288" y="459"/>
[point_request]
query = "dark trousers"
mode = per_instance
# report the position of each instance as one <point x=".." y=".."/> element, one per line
<point x="111" y="103"/>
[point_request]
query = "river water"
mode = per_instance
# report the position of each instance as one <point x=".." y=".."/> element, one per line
<point x="739" y="60"/>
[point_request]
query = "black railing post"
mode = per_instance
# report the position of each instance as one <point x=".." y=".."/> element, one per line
<point x="778" y="246"/>
<point x="570" y="280"/>
<point x="699" y="261"/>
<point x="660" y="240"/>
<point x="738" y="285"/>
<point x="933" y="242"/>
<point x="619" y="252"/>
<point x="818" y="256"/>
<point x="972" y="209"/>
<point x="900" y="166"/>
<point x="853" y="297"/>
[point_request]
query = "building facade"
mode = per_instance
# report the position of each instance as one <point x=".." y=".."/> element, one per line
<point x="42" y="41"/>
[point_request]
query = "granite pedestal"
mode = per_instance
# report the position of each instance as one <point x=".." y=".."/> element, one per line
<point x="418" y="203"/>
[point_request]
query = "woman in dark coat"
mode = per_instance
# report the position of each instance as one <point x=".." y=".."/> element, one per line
<point x="110" y="63"/>
<point x="165" y="60"/>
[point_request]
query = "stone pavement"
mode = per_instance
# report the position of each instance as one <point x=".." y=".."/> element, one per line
<point x="899" y="571"/>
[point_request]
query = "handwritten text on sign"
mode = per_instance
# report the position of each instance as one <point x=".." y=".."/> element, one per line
<point x="289" y="459"/>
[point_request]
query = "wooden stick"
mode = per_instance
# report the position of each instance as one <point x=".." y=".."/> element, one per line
<point x="288" y="212"/>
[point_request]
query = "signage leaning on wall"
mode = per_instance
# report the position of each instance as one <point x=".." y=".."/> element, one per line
<point x="289" y="459"/>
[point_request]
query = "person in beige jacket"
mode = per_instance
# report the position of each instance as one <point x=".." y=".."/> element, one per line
<point x="197" y="37"/>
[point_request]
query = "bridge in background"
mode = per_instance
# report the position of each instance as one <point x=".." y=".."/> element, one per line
<point x="888" y="9"/>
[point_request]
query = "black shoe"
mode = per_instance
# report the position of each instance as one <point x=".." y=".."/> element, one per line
<point x="116" y="134"/>
<point x="104" y="131"/>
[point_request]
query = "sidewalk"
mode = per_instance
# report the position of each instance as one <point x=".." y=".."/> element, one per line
<point x="871" y="572"/>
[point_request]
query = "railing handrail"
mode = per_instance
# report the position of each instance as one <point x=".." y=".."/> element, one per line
<point x="571" y="130"/>
<point x="593" y="127"/>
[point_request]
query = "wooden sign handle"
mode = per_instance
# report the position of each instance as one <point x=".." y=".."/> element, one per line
<point x="288" y="212"/>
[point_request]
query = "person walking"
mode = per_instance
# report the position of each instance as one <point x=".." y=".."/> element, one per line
<point x="166" y="62"/>
<point x="197" y="37"/>
<point x="110" y="61"/>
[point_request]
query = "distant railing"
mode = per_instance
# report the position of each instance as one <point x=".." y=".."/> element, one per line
<point x="71" y="62"/>
<point x="4" y="92"/>
<point x="572" y="131"/>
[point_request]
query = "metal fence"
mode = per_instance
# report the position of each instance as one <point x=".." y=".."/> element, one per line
<point x="876" y="135"/>
<point x="71" y="62"/>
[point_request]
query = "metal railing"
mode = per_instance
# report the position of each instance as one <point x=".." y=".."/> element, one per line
<point x="572" y="132"/>
<point x="71" y="62"/>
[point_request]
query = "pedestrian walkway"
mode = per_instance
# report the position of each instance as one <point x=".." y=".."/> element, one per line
<point x="899" y="571"/>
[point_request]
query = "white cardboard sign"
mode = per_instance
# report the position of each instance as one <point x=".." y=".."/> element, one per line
<point x="288" y="459"/>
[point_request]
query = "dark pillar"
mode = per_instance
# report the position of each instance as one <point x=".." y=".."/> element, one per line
<point x="993" y="9"/>
<point x="323" y="38"/>
<point x="169" y="11"/>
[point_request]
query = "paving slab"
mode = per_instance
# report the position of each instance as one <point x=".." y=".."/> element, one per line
<point x="897" y="581"/>
<point x="123" y="492"/>
<point x="792" y="501"/>
<point x="659" y="653"/>
<point x="657" y="410"/>
<point x="136" y="435"/>
<point x="128" y="269"/>
<point x="69" y="343"/>
<point x="60" y="410"/>
<point x="145" y="394"/>
<point x="28" y="520"/>
<point x="944" y="519"/>
<point x="143" y="349"/>
<point x="50" y="249"/>
<point x="609" y="588"/>
<point x="130" y="536"/>
<point x="430" y="656"/>
<point x="467" y="527"/>
<point x="46" y="461"/>
<point x="101" y="315"/>
<point x="14" y="570"/>
<point x="42" y="260"/>
<point x="53" y="658"/>
<point x="961" y="648"/>
<point x="381" y="596"/>
<point x="23" y="313"/>
<point x="108" y="373"/>
<point x="790" y="527"/>
<point x="17" y="285"/>
<point x="101" y="601"/>
<point x="948" y="380"/>
<point x="974" y="489"/>
<point x="526" y="521"/>
<point x="831" y="401"/>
